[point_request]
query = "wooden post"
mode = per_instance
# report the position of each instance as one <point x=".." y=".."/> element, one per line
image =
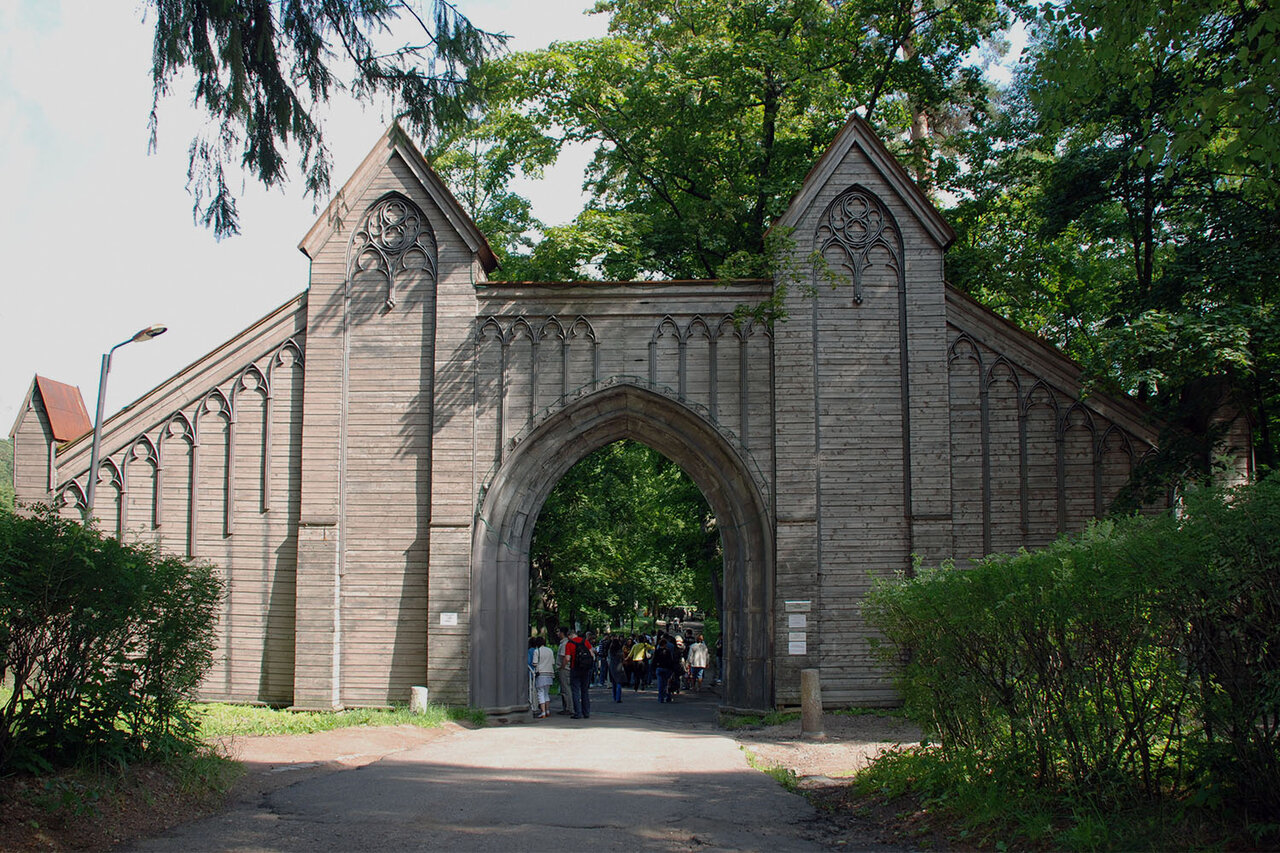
<point x="811" y="705"/>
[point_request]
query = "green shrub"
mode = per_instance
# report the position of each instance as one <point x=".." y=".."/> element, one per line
<point x="1141" y="655"/>
<point x="1229" y="560"/>
<point x="102" y="642"/>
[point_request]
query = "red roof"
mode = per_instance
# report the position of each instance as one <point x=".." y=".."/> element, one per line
<point x="68" y="418"/>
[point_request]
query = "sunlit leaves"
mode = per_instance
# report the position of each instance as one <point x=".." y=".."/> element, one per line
<point x="624" y="528"/>
<point x="706" y="116"/>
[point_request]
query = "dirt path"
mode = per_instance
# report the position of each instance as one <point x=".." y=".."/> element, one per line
<point x="636" y="776"/>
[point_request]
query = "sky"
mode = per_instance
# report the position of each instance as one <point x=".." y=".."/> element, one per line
<point x="97" y="235"/>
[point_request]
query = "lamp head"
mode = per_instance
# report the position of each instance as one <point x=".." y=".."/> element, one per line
<point x="150" y="332"/>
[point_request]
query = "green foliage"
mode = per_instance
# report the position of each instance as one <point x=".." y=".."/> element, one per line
<point x="1124" y="203"/>
<point x="1137" y="658"/>
<point x="101" y="641"/>
<point x="222" y="720"/>
<point x="6" y="474"/>
<point x="784" y="776"/>
<point x="707" y="115"/>
<point x="982" y="807"/>
<point x="262" y="70"/>
<point x="624" y="528"/>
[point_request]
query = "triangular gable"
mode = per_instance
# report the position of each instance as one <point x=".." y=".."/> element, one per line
<point x="857" y="133"/>
<point x="63" y="405"/>
<point x="395" y="141"/>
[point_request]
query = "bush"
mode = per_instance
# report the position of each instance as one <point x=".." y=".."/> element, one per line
<point x="1229" y="561"/>
<point x="1140" y="655"/>
<point x="101" y="641"/>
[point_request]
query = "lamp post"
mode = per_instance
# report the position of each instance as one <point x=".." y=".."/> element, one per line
<point x="145" y="335"/>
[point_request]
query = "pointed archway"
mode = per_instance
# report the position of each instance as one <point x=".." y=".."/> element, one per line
<point x="510" y="505"/>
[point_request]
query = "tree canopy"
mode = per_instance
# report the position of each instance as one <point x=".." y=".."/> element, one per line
<point x="6" y="473"/>
<point x="264" y="69"/>
<point x="625" y="529"/>
<point x="1123" y="203"/>
<point x="705" y="116"/>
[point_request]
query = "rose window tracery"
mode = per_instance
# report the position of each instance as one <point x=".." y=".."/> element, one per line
<point x="394" y="238"/>
<point x="852" y="228"/>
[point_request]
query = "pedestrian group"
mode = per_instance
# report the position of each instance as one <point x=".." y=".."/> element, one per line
<point x="676" y="662"/>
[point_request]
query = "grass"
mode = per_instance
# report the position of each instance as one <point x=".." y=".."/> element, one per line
<point x="784" y="776"/>
<point x="221" y="720"/>
<point x="734" y="722"/>
<point x="852" y="711"/>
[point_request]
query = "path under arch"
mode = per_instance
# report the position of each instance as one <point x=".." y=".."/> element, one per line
<point x="500" y="579"/>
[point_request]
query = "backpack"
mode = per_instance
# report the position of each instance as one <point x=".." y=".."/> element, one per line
<point x="583" y="658"/>
<point x="662" y="657"/>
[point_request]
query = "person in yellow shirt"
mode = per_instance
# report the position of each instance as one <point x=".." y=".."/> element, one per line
<point x="637" y="663"/>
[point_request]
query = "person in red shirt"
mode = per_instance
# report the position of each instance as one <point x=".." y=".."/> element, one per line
<point x="582" y="658"/>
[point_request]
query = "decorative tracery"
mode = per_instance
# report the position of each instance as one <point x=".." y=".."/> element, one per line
<point x="852" y="228"/>
<point x="393" y="238"/>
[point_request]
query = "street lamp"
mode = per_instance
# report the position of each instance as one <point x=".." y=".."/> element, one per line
<point x="145" y="335"/>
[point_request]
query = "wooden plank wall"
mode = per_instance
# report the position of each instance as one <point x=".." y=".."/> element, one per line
<point x="539" y="347"/>
<point x="861" y="429"/>
<point x="210" y="468"/>
<point x="1031" y="460"/>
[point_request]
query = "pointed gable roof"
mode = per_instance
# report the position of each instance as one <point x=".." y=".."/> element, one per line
<point x="392" y="142"/>
<point x="64" y="406"/>
<point x="857" y="133"/>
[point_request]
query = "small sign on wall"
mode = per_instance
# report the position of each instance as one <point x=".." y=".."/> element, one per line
<point x="448" y="618"/>
<point x="797" y="622"/>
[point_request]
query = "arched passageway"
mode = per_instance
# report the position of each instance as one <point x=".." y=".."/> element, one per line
<point x="510" y="506"/>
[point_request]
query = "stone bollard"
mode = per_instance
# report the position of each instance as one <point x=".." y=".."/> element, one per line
<point x="811" y="705"/>
<point x="417" y="700"/>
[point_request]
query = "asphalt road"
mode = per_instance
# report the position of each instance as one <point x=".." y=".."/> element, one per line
<point x="635" y="776"/>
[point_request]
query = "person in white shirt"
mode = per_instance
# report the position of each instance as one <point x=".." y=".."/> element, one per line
<point x="699" y="660"/>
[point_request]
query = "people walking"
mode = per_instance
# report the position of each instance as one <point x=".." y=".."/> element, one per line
<point x="544" y="663"/>
<point x="699" y="659"/>
<point x="582" y="661"/>
<point x="563" y="668"/>
<point x="616" y="656"/>
<point x="533" y="693"/>
<point x="638" y="662"/>
<point x="664" y="666"/>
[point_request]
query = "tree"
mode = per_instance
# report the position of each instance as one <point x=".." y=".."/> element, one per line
<point x="102" y="643"/>
<point x="1141" y="154"/>
<point x="264" y="69"/>
<point x="706" y="115"/>
<point x="625" y="527"/>
<point x="6" y="474"/>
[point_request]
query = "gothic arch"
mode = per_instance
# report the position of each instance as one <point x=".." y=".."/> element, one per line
<point x="394" y="237"/>
<point x="853" y="229"/>
<point x="510" y="504"/>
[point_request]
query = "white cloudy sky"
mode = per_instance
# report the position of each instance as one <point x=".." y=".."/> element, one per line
<point x="97" y="236"/>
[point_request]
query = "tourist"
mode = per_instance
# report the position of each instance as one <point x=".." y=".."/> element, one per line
<point x="664" y="662"/>
<point x="562" y="669"/>
<point x="678" y="651"/>
<point x="529" y="660"/>
<point x="638" y="662"/>
<point x="616" y="656"/>
<point x="544" y="664"/>
<point x="582" y="661"/>
<point x="699" y="657"/>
